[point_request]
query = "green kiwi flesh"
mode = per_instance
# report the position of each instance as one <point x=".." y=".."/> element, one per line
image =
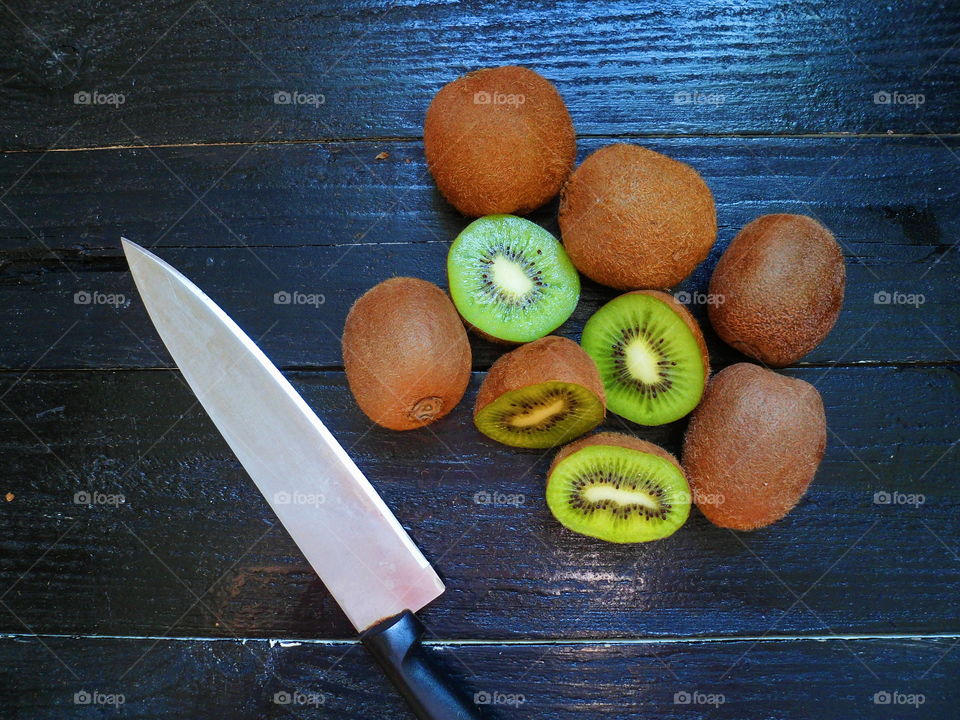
<point x="541" y="415"/>
<point x="511" y="279"/>
<point x="618" y="494"/>
<point x="651" y="364"/>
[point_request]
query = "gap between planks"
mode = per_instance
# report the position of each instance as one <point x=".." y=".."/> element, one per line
<point x="912" y="364"/>
<point x="439" y="642"/>
<point x="417" y="138"/>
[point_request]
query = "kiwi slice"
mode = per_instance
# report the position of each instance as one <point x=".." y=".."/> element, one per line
<point x="511" y="279"/>
<point x="618" y="488"/>
<point x="651" y="356"/>
<point x="540" y="395"/>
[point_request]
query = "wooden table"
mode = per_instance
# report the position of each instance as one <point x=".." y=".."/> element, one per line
<point x="157" y="120"/>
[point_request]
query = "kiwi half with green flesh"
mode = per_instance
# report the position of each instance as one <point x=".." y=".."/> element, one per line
<point x="618" y="488"/>
<point x="540" y="395"/>
<point x="510" y="279"/>
<point x="651" y="356"/>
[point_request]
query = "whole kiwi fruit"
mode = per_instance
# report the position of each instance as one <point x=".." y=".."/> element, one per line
<point x="499" y="140"/>
<point x="779" y="287"/>
<point x="540" y="395"/>
<point x="753" y="446"/>
<point x="632" y="218"/>
<point x="406" y="353"/>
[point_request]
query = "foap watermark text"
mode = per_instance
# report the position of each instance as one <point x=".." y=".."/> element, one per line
<point x="484" y="97"/>
<point x="499" y="499"/>
<point x="883" y="297"/>
<point x="895" y="97"/>
<point x="284" y="297"/>
<point x="494" y="697"/>
<point x="296" y="97"/>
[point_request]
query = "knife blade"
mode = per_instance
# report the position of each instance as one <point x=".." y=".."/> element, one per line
<point x="346" y="532"/>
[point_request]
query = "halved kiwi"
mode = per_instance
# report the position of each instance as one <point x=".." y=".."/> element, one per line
<point x="540" y="395"/>
<point x="651" y="356"/>
<point x="511" y="279"/>
<point x="618" y="488"/>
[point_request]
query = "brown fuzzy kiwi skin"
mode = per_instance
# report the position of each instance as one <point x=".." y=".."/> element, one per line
<point x="689" y="320"/>
<point x="550" y="358"/>
<point x="489" y="158"/>
<point x="406" y="353"/>
<point x="616" y="439"/>
<point x="781" y="280"/>
<point x="632" y="218"/>
<point x="753" y="446"/>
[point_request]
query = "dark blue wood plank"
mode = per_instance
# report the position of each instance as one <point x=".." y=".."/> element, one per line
<point x="207" y="72"/>
<point x="199" y="679"/>
<point x="191" y="513"/>
<point x="331" y="220"/>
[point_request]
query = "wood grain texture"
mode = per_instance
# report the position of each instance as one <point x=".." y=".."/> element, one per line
<point x="209" y="72"/>
<point x="330" y="220"/>
<point x="194" y="549"/>
<point x="327" y="199"/>
<point x="198" y="679"/>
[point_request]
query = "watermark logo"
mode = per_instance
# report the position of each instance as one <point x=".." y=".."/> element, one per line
<point x="95" y="97"/>
<point x="894" y="97"/>
<point x="95" y="697"/>
<point x="296" y="97"/>
<point x="94" y="497"/>
<point x="282" y="297"/>
<point x="896" y="297"/>
<point x="95" y="297"/>
<point x="685" y="697"/>
<point x="698" y="298"/>
<point x="704" y="498"/>
<point x="883" y="497"/>
<point x="485" y="697"/>
<point x="895" y="697"/>
<point x="695" y="97"/>
<point x="298" y="498"/>
<point x="499" y="499"/>
<point x="298" y="697"/>
<point x="483" y="97"/>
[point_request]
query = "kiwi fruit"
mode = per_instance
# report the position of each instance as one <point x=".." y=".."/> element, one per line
<point x="651" y="356"/>
<point x="618" y="488"/>
<point x="406" y="353"/>
<point x="499" y="140"/>
<point x="632" y="218"/>
<point x="510" y="279"/>
<point x="540" y="395"/>
<point x="781" y="285"/>
<point x="753" y="446"/>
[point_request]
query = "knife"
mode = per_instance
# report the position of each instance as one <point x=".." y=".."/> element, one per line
<point x="344" y="529"/>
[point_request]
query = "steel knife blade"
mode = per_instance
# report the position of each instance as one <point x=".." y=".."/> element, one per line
<point x="349" y="536"/>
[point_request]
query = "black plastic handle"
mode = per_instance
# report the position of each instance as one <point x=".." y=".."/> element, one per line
<point x="395" y="643"/>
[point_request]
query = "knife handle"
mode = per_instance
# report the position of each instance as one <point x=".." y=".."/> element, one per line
<point x="396" y="645"/>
